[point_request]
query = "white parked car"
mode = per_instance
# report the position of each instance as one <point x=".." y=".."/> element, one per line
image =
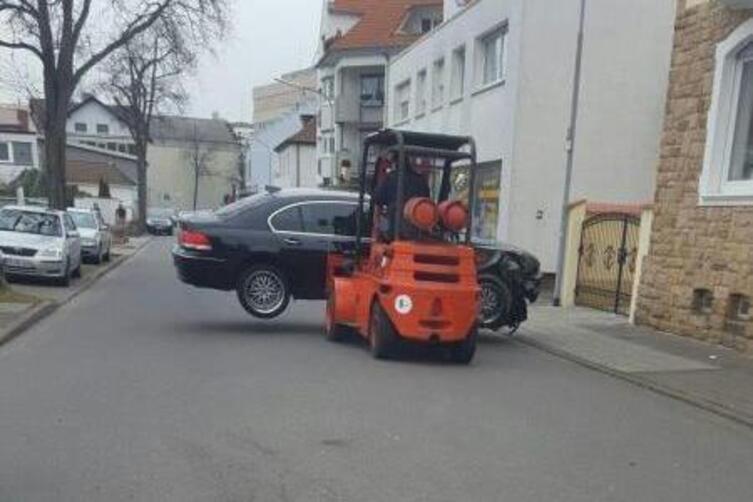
<point x="39" y="242"/>
<point x="96" y="237"/>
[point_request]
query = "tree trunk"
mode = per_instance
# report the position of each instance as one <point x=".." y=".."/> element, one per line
<point x="57" y="99"/>
<point x="142" y="184"/>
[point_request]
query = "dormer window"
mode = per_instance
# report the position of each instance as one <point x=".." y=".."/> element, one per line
<point x="421" y="20"/>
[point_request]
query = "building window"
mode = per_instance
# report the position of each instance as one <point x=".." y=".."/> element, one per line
<point x="372" y="91"/>
<point x="428" y="24"/>
<point x="4" y="152"/>
<point x="457" y="83"/>
<point x="402" y="101"/>
<point x="492" y="56"/>
<point x="80" y="127"/>
<point x="703" y="301"/>
<point x="421" y="92"/>
<point x="727" y="177"/>
<point x="22" y="154"/>
<point x="103" y="129"/>
<point x="437" y="84"/>
<point x="328" y="88"/>
<point x="132" y="149"/>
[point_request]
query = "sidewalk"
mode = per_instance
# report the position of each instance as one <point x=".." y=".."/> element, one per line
<point x="712" y="377"/>
<point x="33" y="300"/>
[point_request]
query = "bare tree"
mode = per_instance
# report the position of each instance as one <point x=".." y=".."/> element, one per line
<point x="69" y="38"/>
<point x="144" y="78"/>
<point x="199" y="154"/>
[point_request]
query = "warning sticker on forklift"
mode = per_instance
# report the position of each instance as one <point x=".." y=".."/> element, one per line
<point x="403" y="304"/>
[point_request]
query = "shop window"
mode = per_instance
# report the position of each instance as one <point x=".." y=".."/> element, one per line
<point x="703" y="301"/>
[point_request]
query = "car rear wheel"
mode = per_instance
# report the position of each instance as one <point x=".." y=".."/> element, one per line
<point x="382" y="335"/>
<point x="99" y="258"/>
<point x="65" y="280"/>
<point x="496" y="302"/>
<point x="263" y="292"/>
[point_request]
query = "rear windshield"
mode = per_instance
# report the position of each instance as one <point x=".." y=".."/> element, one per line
<point x="84" y="220"/>
<point x="28" y="222"/>
<point x="243" y="205"/>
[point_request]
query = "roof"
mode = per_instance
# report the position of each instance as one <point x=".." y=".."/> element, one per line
<point x="306" y="136"/>
<point x="168" y="127"/>
<point x="379" y="23"/>
<point x="91" y="172"/>
<point x="314" y="193"/>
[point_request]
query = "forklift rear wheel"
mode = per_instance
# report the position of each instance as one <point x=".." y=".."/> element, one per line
<point x="332" y="331"/>
<point x="382" y="336"/>
<point x="463" y="352"/>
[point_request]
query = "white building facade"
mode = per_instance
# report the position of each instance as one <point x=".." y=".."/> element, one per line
<point x="502" y="71"/>
<point x="19" y="148"/>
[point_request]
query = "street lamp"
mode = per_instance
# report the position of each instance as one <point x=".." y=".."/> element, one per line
<point x="570" y="146"/>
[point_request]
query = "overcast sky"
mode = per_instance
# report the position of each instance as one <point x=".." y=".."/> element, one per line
<point x="268" y="37"/>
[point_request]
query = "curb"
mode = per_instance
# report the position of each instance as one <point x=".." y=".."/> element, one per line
<point x="47" y="308"/>
<point x="719" y="409"/>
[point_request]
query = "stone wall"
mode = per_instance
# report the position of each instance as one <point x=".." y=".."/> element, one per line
<point x="693" y="247"/>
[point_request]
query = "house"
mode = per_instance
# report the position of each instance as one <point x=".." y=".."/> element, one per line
<point x="262" y="159"/>
<point x="18" y="143"/>
<point x="88" y="167"/>
<point x="273" y="100"/>
<point x="358" y="38"/>
<point x="194" y="163"/>
<point x="179" y="147"/>
<point x="297" y="157"/>
<point x="697" y="279"/>
<point x="502" y="72"/>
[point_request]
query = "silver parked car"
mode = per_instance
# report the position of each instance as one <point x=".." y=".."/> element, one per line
<point x="96" y="237"/>
<point x="39" y="242"/>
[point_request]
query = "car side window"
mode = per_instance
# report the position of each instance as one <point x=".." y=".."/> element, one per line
<point x="69" y="225"/>
<point x="335" y="218"/>
<point x="288" y="220"/>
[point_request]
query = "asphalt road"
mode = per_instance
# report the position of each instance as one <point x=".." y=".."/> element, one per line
<point x="144" y="389"/>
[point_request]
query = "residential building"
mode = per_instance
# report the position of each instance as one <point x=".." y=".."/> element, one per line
<point x="358" y="38"/>
<point x="275" y="99"/>
<point x="193" y="163"/>
<point x="502" y="72"/>
<point x="297" y="157"/>
<point x="18" y="143"/>
<point x="87" y="167"/>
<point x="697" y="279"/>
<point x="97" y="124"/>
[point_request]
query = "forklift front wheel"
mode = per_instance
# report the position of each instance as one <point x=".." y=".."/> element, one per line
<point x="382" y="336"/>
<point x="332" y="331"/>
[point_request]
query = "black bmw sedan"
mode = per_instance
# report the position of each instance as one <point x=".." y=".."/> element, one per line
<point x="269" y="248"/>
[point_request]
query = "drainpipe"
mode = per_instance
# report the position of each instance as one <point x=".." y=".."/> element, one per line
<point x="298" y="165"/>
<point x="571" y="136"/>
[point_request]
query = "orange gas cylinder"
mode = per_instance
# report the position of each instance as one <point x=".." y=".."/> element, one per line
<point x="422" y="213"/>
<point x="454" y="215"/>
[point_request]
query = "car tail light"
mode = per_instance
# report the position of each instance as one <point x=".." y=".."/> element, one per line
<point x="194" y="240"/>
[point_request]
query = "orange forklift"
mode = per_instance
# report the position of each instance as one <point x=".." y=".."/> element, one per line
<point x="410" y="275"/>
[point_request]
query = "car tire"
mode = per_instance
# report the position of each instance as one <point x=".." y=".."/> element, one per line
<point x="99" y="258"/>
<point x="382" y="334"/>
<point x="332" y="331"/>
<point x="65" y="281"/>
<point x="263" y="291"/>
<point x="77" y="272"/>
<point x="496" y="302"/>
<point x="463" y="352"/>
<point x="107" y="254"/>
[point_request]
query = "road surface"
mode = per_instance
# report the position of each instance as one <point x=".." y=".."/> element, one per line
<point x="145" y="389"/>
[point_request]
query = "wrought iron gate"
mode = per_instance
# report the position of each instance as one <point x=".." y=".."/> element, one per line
<point x="606" y="268"/>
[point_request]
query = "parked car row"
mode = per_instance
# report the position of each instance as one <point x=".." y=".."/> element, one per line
<point x="45" y="243"/>
<point x="272" y="247"/>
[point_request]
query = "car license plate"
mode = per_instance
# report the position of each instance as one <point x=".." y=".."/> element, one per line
<point x="15" y="262"/>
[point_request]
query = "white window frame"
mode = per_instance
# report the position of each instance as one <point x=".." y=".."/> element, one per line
<point x="438" y="83"/>
<point x="422" y="77"/>
<point x="84" y="129"/>
<point x="715" y="188"/>
<point x="457" y="74"/>
<point x="481" y="41"/>
<point x="9" y="148"/>
<point x="400" y="100"/>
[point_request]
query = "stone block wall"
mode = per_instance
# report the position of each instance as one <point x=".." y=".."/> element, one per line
<point x="694" y="247"/>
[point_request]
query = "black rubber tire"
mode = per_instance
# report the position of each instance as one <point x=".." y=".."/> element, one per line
<point x="99" y="258"/>
<point x="65" y="281"/>
<point x="382" y="335"/>
<point x="334" y="332"/>
<point x="496" y="286"/>
<point x="463" y="352"/>
<point x="77" y="272"/>
<point x="240" y="291"/>
<point x="107" y="254"/>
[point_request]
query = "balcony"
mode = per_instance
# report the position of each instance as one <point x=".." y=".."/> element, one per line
<point x="351" y="110"/>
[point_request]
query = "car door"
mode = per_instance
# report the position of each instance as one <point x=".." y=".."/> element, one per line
<point x="286" y="224"/>
<point x="72" y="241"/>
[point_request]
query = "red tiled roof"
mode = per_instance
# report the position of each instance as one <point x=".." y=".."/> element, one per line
<point x="379" y="23"/>
<point x="306" y="136"/>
